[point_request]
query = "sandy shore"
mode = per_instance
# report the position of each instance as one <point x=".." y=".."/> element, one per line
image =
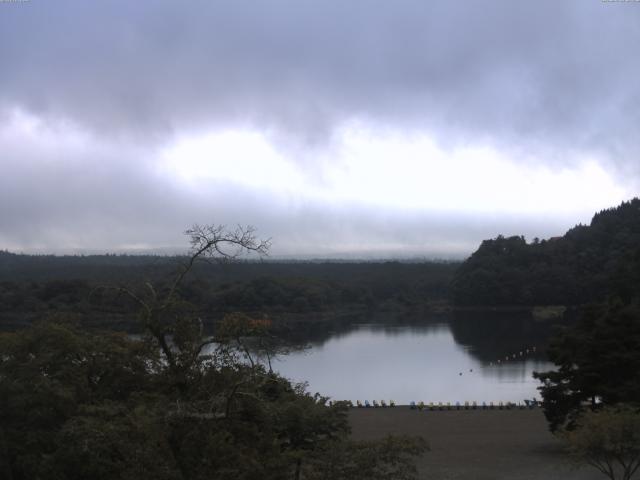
<point x="476" y="444"/>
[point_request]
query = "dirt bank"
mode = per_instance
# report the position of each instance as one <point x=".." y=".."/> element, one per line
<point x="476" y="444"/>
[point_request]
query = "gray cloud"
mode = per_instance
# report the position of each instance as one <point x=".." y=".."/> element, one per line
<point x="541" y="80"/>
<point x="547" y="75"/>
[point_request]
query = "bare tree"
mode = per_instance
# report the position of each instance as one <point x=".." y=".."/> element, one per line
<point x="165" y="316"/>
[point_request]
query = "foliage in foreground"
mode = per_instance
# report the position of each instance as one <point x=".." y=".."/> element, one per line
<point x="598" y="362"/>
<point x="75" y="405"/>
<point x="174" y="404"/>
<point x="608" y="440"/>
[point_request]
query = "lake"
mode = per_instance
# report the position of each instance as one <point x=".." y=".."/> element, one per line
<point x="466" y="357"/>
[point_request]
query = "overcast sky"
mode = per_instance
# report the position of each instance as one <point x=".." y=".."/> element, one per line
<point x="338" y="128"/>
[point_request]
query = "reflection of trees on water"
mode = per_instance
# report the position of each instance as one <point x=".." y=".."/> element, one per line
<point x="301" y="335"/>
<point x="486" y="336"/>
<point x="492" y="336"/>
<point x="304" y="334"/>
<point x="517" y="371"/>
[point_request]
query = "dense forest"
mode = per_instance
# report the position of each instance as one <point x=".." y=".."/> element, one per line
<point x="589" y="263"/>
<point x="35" y="286"/>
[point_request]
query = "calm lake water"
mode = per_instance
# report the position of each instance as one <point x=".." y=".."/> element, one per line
<point x="451" y="360"/>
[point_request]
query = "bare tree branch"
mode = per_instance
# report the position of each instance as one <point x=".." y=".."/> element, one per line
<point x="213" y="241"/>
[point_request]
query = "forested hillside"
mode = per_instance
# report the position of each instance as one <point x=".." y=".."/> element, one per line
<point x="589" y="263"/>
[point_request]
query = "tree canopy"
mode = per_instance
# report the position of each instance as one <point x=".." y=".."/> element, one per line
<point x="598" y="361"/>
<point x="589" y="263"/>
<point x="608" y="440"/>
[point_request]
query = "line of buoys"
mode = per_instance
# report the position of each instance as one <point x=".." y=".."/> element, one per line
<point x="513" y="356"/>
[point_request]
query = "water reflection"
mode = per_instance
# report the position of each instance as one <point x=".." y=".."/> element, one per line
<point x="492" y="336"/>
<point x="435" y="361"/>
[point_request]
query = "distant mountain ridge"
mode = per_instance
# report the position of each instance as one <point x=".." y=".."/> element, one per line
<point x="589" y="263"/>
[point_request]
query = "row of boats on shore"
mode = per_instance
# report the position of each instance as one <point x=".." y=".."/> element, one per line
<point x="441" y="406"/>
<point x="533" y="403"/>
